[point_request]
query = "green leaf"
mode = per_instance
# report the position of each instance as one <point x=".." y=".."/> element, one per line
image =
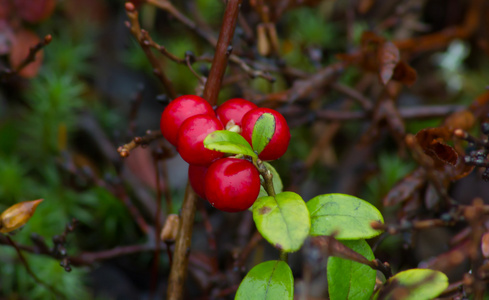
<point x="282" y="220"/>
<point x="269" y="280"/>
<point x="348" y="217"/>
<point x="348" y="279"/>
<point x="263" y="132"/>
<point x="414" y="284"/>
<point x="228" y="142"/>
<point x="277" y="182"/>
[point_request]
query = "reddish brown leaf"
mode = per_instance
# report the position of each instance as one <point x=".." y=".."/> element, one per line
<point x="464" y="120"/>
<point x="431" y="141"/>
<point x="404" y="73"/>
<point x="406" y="188"/>
<point x="5" y="9"/>
<point x="443" y="152"/>
<point x="365" y="5"/>
<point x="370" y="37"/>
<point x="459" y="171"/>
<point x="94" y="11"/>
<point x="485" y="245"/>
<point x="22" y="41"/>
<point x="480" y="106"/>
<point x="34" y="11"/>
<point x="388" y="57"/>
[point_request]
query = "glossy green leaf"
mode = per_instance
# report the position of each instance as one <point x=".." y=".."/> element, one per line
<point x="348" y="279"/>
<point x="282" y="220"/>
<point x="414" y="284"/>
<point x="263" y="132"/>
<point x="228" y="142"/>
<point x="276" y="180"/>
<point x="269" y="280"/>
<point x="348" y="217"/>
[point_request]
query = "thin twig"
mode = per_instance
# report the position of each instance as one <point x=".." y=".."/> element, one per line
<point x="29" y="270"/>
<point x="143" y="39"/>
<point x="150" y="136"/>
<point x="31" y="57"/>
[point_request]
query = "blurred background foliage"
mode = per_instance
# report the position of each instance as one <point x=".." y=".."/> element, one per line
<point x="90" y="73"/>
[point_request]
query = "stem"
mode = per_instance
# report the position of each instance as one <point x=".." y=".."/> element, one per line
<point x="178" y="271"/>
<point x="30" y="272"/>
<point x="284" y="256"/>
<point x="267" y="177"/>
<point x="223" y="51"/>
<point x="179" y="264"/>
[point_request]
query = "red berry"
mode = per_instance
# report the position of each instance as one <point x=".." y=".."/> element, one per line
<point x="234" y="109"/>
<point x="178" y="111"/>
<point x="191" y="135"/>
<point x="280" y="139"/>
<point x="232" y="184"/>
<point x="196" y="176"/>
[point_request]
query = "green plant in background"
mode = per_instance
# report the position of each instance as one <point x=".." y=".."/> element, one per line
<point x="33" y="138"/>
<point x="391" y="169"/>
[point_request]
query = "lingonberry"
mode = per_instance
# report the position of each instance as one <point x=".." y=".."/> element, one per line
<point x="279" y="142"/>
<point x="196" y="176"/>
<point x="178" y="111"/>
<point x="233" y="110"/>
<point x="232" y="184"/>
<point x="191" y="135"/>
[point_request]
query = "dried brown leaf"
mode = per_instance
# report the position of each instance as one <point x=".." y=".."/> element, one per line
<point x="34" y="11"/>
<point x="485" y="245"/>
<point x="431" y="142"/>
<point x="388" y="57"/>
<point x="365" y="5"/>
<point x="464" y="120"/>
<point x="405" y="189"/>
<point x="404" y="73"/>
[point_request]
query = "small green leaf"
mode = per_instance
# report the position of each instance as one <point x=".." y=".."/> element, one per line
<point x="348" y="217"/>
<point x="228" y="142"/>
<point x="263" y="132"/>
<point x="348" y="279"/>
<point x="277" y="182"/>
<point x="269" y="280"/>
<point x="414" y="284"/>
<point x="282" y="220"/>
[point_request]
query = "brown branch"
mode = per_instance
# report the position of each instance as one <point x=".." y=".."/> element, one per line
<point x="302" y="88"/>
<point x="168" y="7"/>
<point x="243" y="255"/>
<point x="150" y="136"/>
<point x="353" y="94"/>
<point x="414" y="112"/>
<point x="332" y="247"/>
<point x="223" y="50"/>
<point x="143" y="39"/>
<point x="89" y="258"/>
<point x="29" y="270"/>
<point x="178" y="271"/>
<point x="156" y="254"/>
<point x="179" y="265"/>
<point x="31" y="57"/>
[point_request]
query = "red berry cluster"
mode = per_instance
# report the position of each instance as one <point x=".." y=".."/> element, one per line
<point x="229" y="184"/>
